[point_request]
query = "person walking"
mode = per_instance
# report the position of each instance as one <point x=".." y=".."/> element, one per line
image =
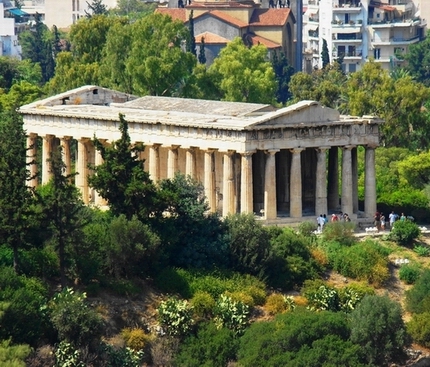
<point x="383" y="221"/>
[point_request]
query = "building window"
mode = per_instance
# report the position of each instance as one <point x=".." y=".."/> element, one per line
<point x="73" y="5"/>
<point x="77" y="5"/>
<point x="352" y="68"/>
<point x="377" y="53"/>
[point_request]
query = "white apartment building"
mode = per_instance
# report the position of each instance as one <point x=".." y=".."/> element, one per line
<point x="9" y="45"/>
<point x="360" y="30"/>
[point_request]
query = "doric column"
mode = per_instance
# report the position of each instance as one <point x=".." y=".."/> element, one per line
<point x="228" y="184"/>
<point x="209" y="181"/>
<point x="190" y="162"/>
<point x="246" y="185"/>
<point x="270" y="205"/>
<point x="321" y="182"/>
<point x="172" y="161"/>
<point x="65" y="149"/>
<point x="354" y="165"/>
<point x="154" y="162"/>
<point x="296" y="183"/>
<point x="46" y="155"/>
<point x="346" y="199"/>
<point x="31" y="159"/>
<point x="333" y="178"/>
<point x="98" y="160"/>
<point x="82" y="170"/>
<point x="369" y="183"/>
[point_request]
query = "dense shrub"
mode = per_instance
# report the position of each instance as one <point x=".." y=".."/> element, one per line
<point x="249" y="245"/>
<point x="341" y="232"/>
<point x="365" y="260"/>
<point x="278" y="303"/>
<point x="418" y="297"/>
<point x="292" y="336"/>
<point x="75" y="321"/>
<point x="409" y="273"/>
<point x="135" y="338"/>
<point x="13" y="355"/>
<point x="175" y="317"/>
<point x="292" y="262"/>
<point x="123" y="357"/>
<point x="42" y="263"/>
<point x="377" y="326"/>
<point x="202" y="304"/>
<point x="422" y="250"/>
<point x="308" y="229"/>
<point x="419" y="328"/>
<point x="404" y="232"/>
<point x="211" y="347"/>
<point x="23" y="319"/>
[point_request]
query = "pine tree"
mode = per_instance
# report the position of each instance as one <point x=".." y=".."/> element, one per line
<point x="15" y="196"/>
<point x="121" y="178"/>
<point x="192" y="43"/>
<point x="96" y="8"/>
<point x="202" y="53"/>
<point x="325" y="56"/>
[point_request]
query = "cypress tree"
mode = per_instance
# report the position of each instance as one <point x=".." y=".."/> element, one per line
<point x="202" y="54"/>
<point x="325" y="56"/>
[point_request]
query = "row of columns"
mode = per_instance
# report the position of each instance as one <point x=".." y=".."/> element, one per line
<point x="326" y="186"/>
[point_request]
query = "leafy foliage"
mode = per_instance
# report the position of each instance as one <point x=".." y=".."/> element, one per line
<point x="13" y="355"/>
<point x="123" y="357"/>
<point x="202" y="303"/>
<point x="409" y="273"/>
<point x="419" y="328"/>
<point x="233" y="315"/>
<point x="75" y="321"/>
<point x="377" y="326"/>
<point x="418" y="297"/>
<point x="67" y="355"/>
<point x="404" y="232"/>
<point x="175" y="317"/>
<point x="211" y="347"/>
<point x="135" y="338"/>
<point x="278" y="303"/>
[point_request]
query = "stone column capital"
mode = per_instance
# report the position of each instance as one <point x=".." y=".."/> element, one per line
<point x="348" y="147"/>
<point x="174" y="147"/>
<point x="248" y="153"/>
<point x="322" y="149"/>
<point x="371" y="146"/>
<point x="32" y="135"/>
<point x="296" y="150"/>
<point x="229" y="152"/>
<point x="271" y="151"/>
<point x="66" y="137"/>
<point x="210" y="150"/>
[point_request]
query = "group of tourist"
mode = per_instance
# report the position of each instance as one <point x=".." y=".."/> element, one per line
<point x="380" y="222"/>
<point x="322" y="220"/>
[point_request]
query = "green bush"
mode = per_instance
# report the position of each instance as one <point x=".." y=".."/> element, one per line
<point x="241" y="297"/>
<point x="6" y="256"/>
<point x="422" y="250"/>
<point x="419" y="328"/>
<point x="135" y="338"/>
<point x="418" y="297"/>
<point x="123" y="357"/>
<point x="277" y="303"/>
<point x="409" y="273"/>
<point x="257" y="293"/>
<point x="42" y="263"/>
<point x="175" y="317"/>
<point x="174" y="281"/>
<point x="123" y="287"/>
<point x="211" y="347"/>
<point x="233" y="315"/>
<point x="404" y="232"/>
<point x="75" y="321"/>
<point x="23" y="320"/>
<point x="13" y="355"/>
<point x="202" y="304"/>
<point x="365" y="260"/>
<point x="67" y="355"/>
<point x="341" y="232"/>
<point x="308" y="228"/>
<point x="377" y="326"/>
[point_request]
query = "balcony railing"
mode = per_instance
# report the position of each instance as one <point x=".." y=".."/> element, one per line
<point x="396" y="39"/>
<point x="313" y="34"/>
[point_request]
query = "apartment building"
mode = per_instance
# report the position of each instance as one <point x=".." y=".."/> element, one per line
<point x="358" y="30"/>
<point x="9" y="21"/>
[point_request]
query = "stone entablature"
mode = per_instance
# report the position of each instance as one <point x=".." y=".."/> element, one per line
<point x="250" y="157"/>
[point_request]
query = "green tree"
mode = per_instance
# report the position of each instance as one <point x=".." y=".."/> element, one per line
<point x="13" y="355"/>
<point x="418" y="297"/>
<point x="157" y="62"/>
<point x="202" y="52"/>
<point x="20" y="94"/>
<point x="283" y="74"/>
<point x="15" y="196"/>
<point x="192" y="42"/>
<point x="121" y="179"/>
<point x="13" y="71"/>
<point x="133" y="9"/>
<point x="192" y="237"/>
<point x="249" y="245"/>
<point x="62" y="208"/>
<point x="244" y="74"/>
<point x="36" y="47"/>
<point x="325" y="55"/>
<point x="96" y="8"/>
<point x="418" y="60"/>
<point x="377" y="326"/>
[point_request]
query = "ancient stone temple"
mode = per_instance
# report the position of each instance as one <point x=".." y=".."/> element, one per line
<point x="282" y="164"/>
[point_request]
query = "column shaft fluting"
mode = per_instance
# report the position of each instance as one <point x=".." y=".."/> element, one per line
<point x="190" y="163"/>
<point x="82" y="170"/>
<point x="154" y="162"/>
<point x="228" y="185"/>
<point x="296" y="184"/>
<point x="333" y="179"/>
<point x="172" y="162"/>
<point x="321" y="183"/>
<point x="209" y="182"/>
<point x="46" y="155"/>
<point x="347" y="198"/>
<point x="246" y="184"/>
<point x="370" y="183"/>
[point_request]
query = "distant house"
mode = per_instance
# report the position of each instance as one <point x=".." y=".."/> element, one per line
<point x="10" y="20"/>
<point x="219" y="23"/>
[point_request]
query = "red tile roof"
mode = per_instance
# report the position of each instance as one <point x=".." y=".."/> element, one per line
<point x="227" y="4"/>
<point x="211" y="38"/>
<point x="225" y="17"/>
<point x="174" y="13"/>
<point x="270" y="17"/>
<point x="386" y="7"/>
